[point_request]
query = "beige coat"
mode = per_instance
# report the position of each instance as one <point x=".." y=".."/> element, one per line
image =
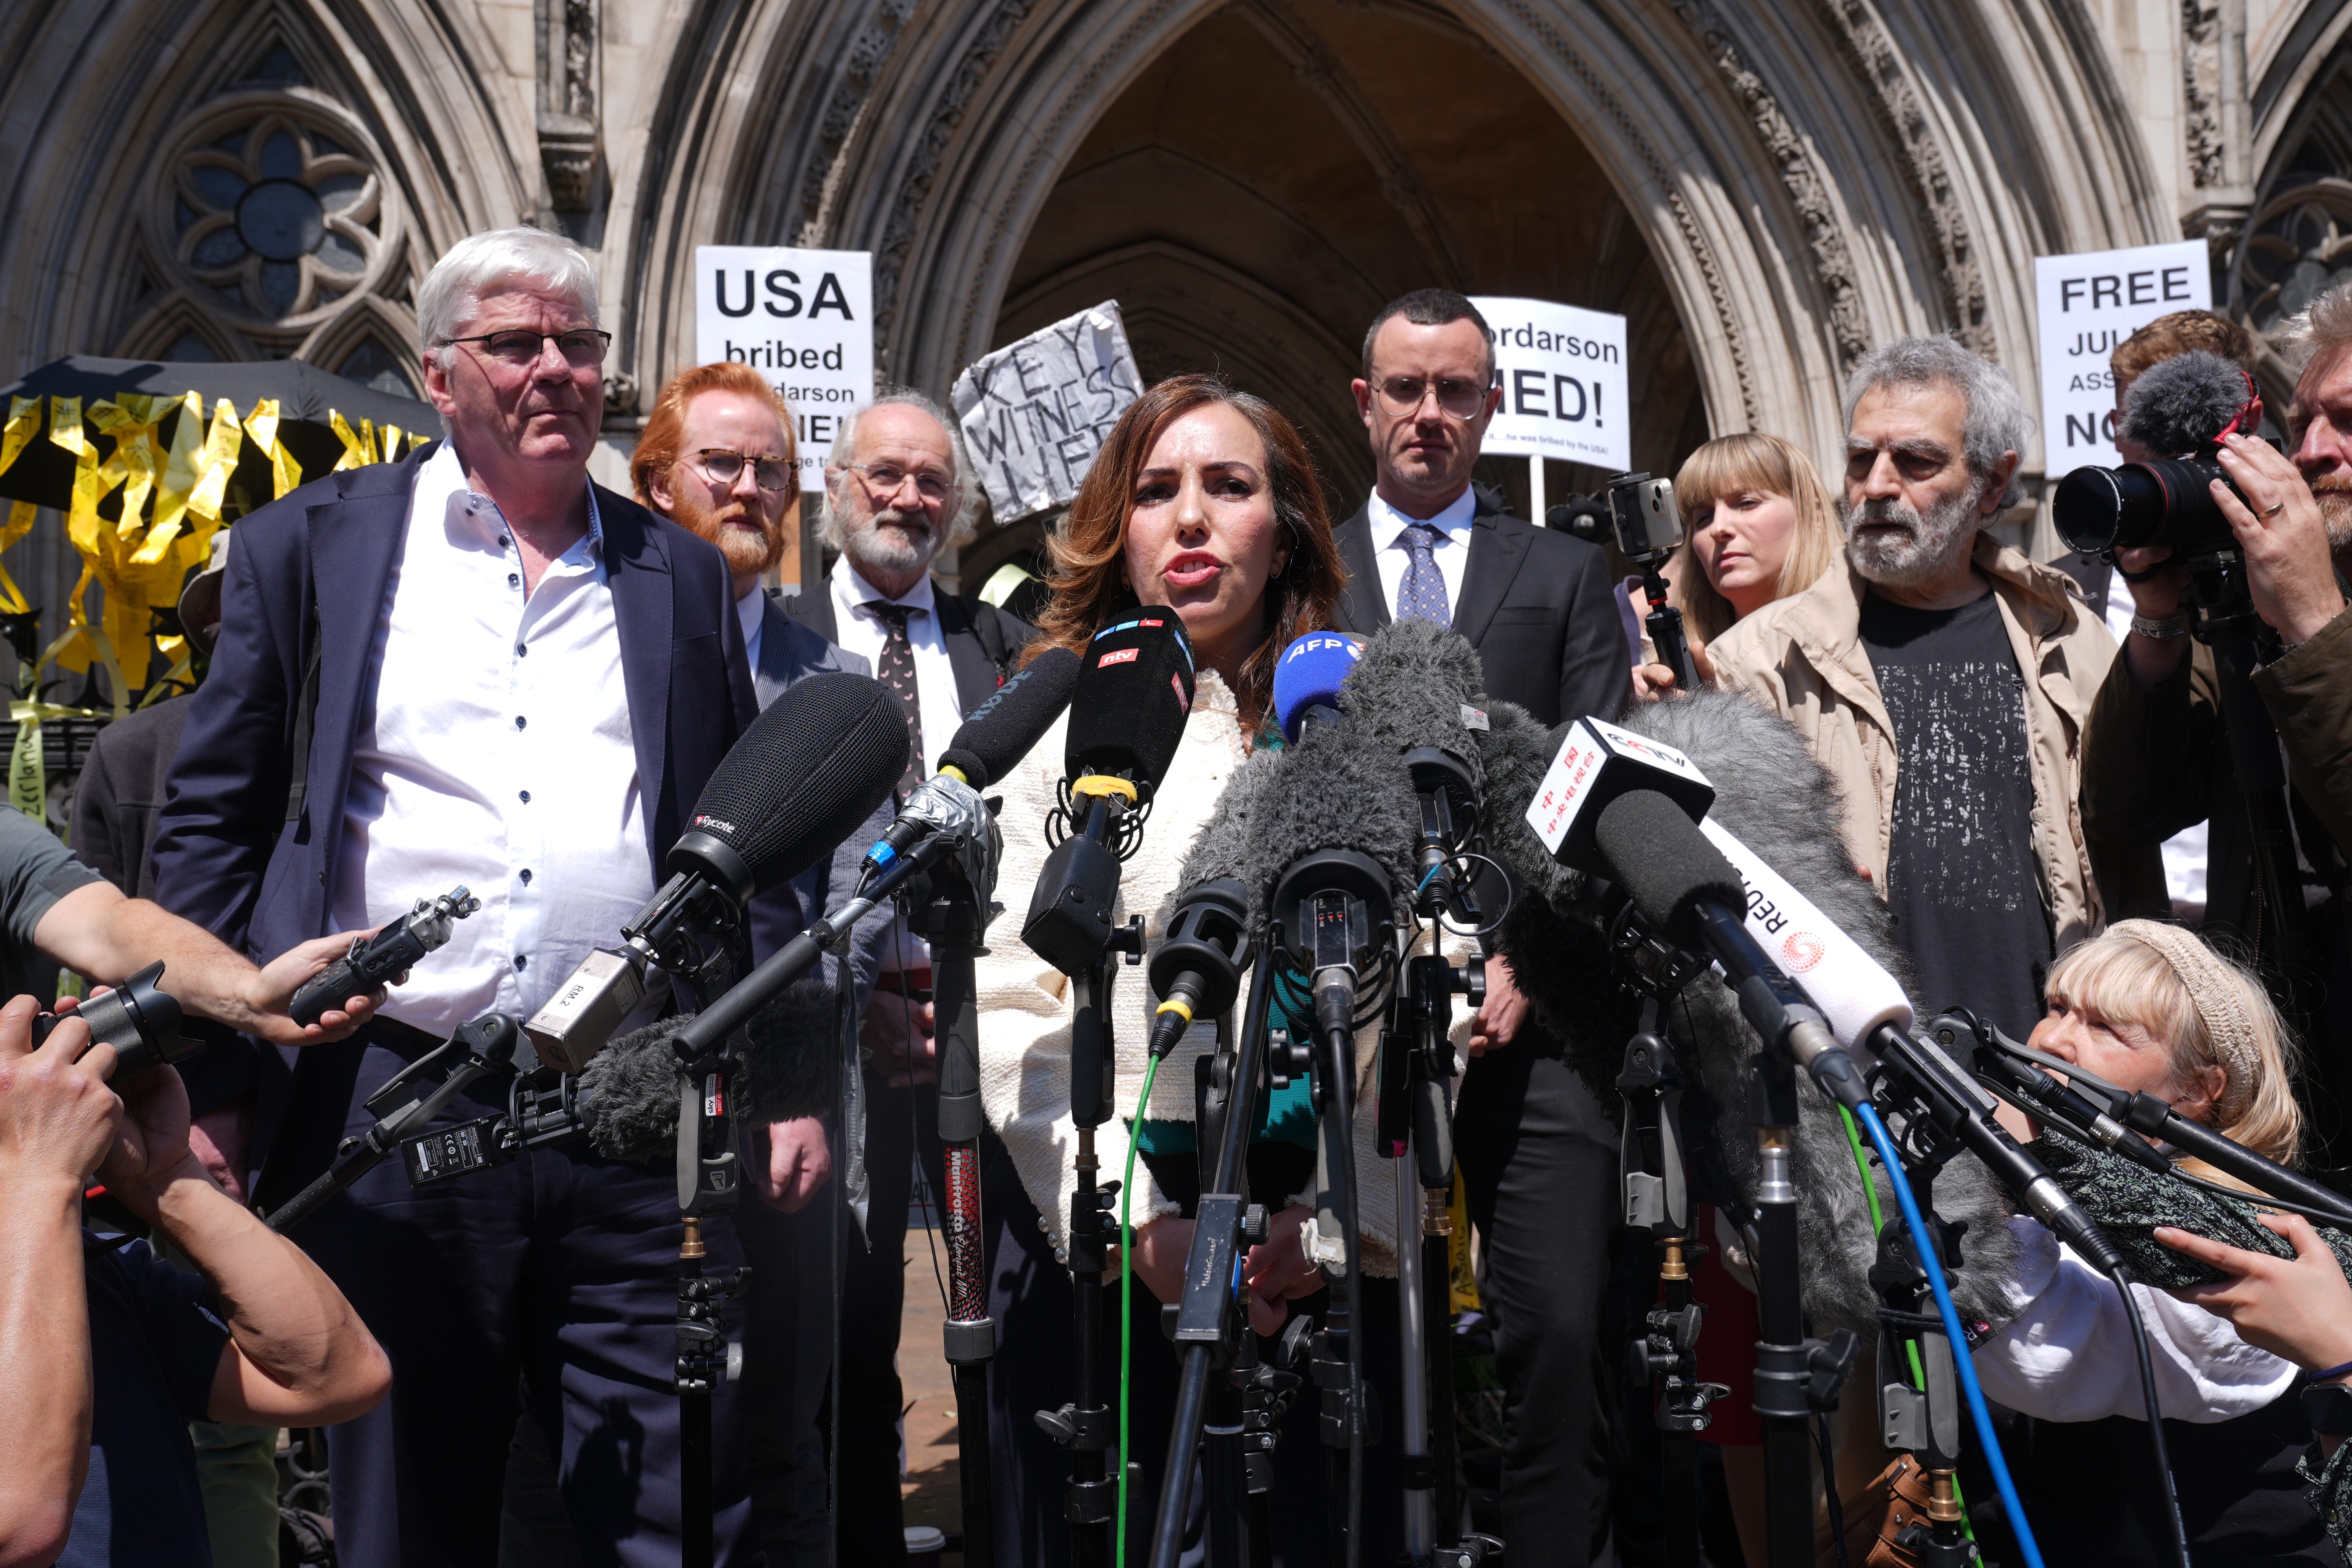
<point x="1802" y="658"/>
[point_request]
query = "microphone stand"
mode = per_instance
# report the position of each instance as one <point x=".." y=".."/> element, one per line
<point x="1070" y="920"/>
<point x="1209" y="1327"/>
<point x="1657" y="1199"/>
<point x="948" y="915"/>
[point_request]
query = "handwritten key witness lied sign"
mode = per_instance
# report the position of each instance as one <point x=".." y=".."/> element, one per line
<point x="2090" y="303"/>
<point x="1035" y="412"/>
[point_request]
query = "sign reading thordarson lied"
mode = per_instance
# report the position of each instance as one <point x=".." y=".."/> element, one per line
<point x="804" y="319"/>
<point x="1562" y="372"/>
<point x="2090" y="303"/>
<point x="1035" y="412"/>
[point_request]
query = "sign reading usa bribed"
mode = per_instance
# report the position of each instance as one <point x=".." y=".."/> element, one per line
<point x="1562" y="372"/>
<point x="804" y="319"/>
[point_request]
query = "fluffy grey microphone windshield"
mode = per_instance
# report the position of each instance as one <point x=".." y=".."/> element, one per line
<point x="1410" y="685"/>
<point x="2186" y="401"/>
<point x="628" y="1091"/>
<point x="1775" y="800"/>
<point x="1334" y="790"/>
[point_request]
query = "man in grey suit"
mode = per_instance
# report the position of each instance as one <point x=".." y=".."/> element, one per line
<point x="716" y="458"/>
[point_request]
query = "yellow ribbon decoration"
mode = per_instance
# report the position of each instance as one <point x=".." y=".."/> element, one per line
<point x="24" y="420"/>
<point x="262" y="425"/>
<point x="358" y="450"/>
<point x="28" y="789"/>
<point x="391" y="445"/>
<point x="217" y="462"/>
<point x="135" y="463"/>
<point x="178" y="483"/>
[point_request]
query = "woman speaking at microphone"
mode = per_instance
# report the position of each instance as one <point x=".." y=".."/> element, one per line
<point x="1201" y="500"/>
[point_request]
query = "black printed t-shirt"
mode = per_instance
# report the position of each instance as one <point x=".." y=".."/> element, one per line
<point x="1960" y="874"/>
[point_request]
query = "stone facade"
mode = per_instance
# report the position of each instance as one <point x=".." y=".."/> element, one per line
<point x="1763" y="190"/>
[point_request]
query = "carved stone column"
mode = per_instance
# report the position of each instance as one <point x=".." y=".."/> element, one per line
<point x="2218" y="127"/>
<point x="568" y="133"/>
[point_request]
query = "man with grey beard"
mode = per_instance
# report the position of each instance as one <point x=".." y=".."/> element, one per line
<point x="2158" y="749"/>
<point x="1942" y="680"/>
<point x="898" y="491"/>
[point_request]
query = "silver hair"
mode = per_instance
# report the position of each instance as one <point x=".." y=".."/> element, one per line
<point x="445" y="300"/>
<point x="1996" y="422"/>
<point x="966" y="521"/>
<point x="2320" y="331"/>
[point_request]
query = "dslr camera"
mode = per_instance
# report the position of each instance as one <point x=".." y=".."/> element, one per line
<point x="140" y="1022"/>
<point x="2167" y="502"/>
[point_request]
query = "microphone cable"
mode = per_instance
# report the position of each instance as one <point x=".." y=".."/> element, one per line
<point x="2164" y="1490"/>
<point x="1910" y="1344"/>
<point x="1961" y="1362"/>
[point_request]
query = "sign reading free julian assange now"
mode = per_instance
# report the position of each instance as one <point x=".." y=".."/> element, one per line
<point x="2090" y="303"/>
<point x="804" y="319"/>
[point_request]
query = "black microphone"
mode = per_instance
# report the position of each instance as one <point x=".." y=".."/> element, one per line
<point x="1197" y="968"/>
<point x="628" y="1097"/>
<point x="811" y="768"/>
<point x="1133" y="695"/>
<point x="993" y="739"/>
<point x="1685" y="891"/>
<point x="1955" y="1105"/>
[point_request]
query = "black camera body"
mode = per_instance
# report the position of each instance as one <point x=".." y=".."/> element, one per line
<point x="140" y="1022"/>
<point x="2168" y="501"/>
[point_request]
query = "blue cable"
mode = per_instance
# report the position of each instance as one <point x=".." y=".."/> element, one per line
<point x="1952" y="1316"/>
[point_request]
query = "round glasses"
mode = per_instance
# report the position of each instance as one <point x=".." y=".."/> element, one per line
<point x="724" y="466"/>
<point x="884" y="480"/>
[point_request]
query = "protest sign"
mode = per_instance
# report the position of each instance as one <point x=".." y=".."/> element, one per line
<point x="804" y="319"/>
<point x="1562" y="372"/>
<point x="2090" y="303"/>
<point x="1035" y="412"/>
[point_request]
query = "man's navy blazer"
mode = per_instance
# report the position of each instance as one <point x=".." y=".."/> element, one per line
<point x="234" y="854"/>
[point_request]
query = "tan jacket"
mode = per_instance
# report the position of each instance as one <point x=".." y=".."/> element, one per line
<point x="1802" y="658"/>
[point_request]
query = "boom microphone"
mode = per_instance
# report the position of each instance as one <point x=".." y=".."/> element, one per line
<point x="2188" y="403"/>
<point x="812" y="766"/>
<point x="997" y="734"/>
<point x="629" y="1098"/>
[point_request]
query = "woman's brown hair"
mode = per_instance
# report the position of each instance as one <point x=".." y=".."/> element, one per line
<point x="1089" y="551"/>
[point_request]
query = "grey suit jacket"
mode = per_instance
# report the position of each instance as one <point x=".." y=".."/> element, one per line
<point x="790" y="652"/>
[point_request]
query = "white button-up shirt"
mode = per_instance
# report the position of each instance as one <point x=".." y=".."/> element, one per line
<point x="1452" y="553"/>
<point x="752" y="613"/>
<point x="861" y="631"/>
<point x="498" y="753"/>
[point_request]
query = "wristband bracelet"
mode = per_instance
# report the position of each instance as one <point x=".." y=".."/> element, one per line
<point x="2331" y="1372"/>
<point x="2162" y="631"/>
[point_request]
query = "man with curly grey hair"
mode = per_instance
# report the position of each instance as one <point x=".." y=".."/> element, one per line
<point x="1942" y="680"/>
<point x="898" y="491"/>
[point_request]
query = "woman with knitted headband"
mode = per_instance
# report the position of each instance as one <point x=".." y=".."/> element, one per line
<point x="2151" y="1008"/>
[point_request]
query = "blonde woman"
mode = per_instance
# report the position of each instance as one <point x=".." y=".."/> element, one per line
<point x="1760" y="528"/>
<point x="2151" y="1008"/>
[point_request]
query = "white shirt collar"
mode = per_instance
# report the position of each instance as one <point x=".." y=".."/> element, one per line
<point x="859" y="592"/>
<point x="472" y="521"/>
<point x="1386" y="522"/>
<point x="749" y="609"/>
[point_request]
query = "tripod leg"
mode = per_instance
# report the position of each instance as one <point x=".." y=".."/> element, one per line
<point x="970" y="1333"/>
<point x="1419" y="1480"/>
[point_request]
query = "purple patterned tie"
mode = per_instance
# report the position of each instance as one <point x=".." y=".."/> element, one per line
<point x="1421" y="596"/>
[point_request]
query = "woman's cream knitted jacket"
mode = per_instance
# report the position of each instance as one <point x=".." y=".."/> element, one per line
<point x="1024" y="1001"/>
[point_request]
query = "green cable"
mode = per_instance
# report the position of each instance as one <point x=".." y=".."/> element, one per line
<point x="1918" y="1372"/>
<point x="1127" y="1301"/>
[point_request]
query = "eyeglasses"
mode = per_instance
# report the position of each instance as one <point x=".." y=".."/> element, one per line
<point x="725" y="467"/>
<point x="884" y="480"/>
<point x="578" y="348"/>
<point x="1403" y="395"/>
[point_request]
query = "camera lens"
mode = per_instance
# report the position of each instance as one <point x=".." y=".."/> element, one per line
<point x="2139" y="505"/>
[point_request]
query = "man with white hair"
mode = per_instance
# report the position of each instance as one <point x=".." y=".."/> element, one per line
<point x="1942" y="680"/>
<point x="474" y="666"/>
<point x="898" y="491"/>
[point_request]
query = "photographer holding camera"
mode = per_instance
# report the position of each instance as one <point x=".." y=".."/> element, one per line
<point x="106" y="1352"/>
<point x="2158" y="758"/>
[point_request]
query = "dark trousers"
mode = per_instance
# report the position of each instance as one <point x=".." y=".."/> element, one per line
<point x="556" y="1274"/>
<point x="1029" y="1296"/>
<point x="900" y="1125"/>
<point x="1539" y="1157"/>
